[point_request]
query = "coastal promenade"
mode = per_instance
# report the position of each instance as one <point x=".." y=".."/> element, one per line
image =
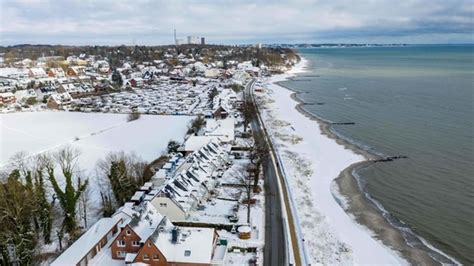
<point x="281" y="245"/>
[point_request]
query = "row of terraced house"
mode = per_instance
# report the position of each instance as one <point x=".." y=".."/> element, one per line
<point x="142" y="230"/>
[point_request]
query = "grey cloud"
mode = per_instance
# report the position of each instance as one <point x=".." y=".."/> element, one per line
<point x="152" y="22"/>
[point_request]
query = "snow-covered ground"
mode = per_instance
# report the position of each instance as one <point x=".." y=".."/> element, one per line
<point x="222" y="205"/>
<point x="95" y="135"/>
<point x="311" y="162"/>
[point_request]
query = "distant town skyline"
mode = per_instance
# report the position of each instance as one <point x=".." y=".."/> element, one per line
<point x="235" y="22"/>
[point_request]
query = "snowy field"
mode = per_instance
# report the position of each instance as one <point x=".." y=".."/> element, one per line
<point x="95" y="135"/>
<point x="311" y="162"/>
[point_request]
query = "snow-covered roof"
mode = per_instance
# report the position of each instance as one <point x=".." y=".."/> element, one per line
<point x="6" y="95"/>
<point x="194" y="245"/>
<point x="138" y="196"/>
<point x="194" y="143"/>
<point x="86" y="242"/>
<point x="61" y="98"/>
<point x="193" y="180"/>
<point x="57" y="71"/>
<point x="148" y="221"/>
<point x="224" y="129"/>
<point x="37" y="71"/>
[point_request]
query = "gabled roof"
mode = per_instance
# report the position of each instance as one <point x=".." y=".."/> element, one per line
<point x="86" y="242"/>
<point x="147" y="222"/>
<point x="37" y="71"/>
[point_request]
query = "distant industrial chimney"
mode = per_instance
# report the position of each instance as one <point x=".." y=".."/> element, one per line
<point x="175" y="40"/>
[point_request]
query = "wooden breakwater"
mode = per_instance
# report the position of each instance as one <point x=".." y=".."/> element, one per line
<point x="389" y="159"/>
<point x="342" y="123"/>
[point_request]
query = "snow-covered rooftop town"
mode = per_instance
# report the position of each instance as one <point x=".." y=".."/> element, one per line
<point x="269" y="133"/>
<point x="177" y="83"/>
<point x="141" y="189"/>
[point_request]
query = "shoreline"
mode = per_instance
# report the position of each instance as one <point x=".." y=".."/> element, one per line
<point x="362" y="209"/>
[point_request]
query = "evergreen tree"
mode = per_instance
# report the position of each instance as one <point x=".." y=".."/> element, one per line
<point x="17" y="239"/>
<point x="117" y="79"/>
<point x="43" y="207"/>
<point x="123" y="185"/>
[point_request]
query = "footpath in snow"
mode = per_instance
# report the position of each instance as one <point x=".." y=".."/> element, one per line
<point x="312" y="161"/>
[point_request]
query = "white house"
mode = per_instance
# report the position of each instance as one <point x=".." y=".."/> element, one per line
<point x="192" y="182"/>
<point x="37" y="73"/>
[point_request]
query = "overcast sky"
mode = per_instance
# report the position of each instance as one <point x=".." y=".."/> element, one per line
<point x="228" y="22"/>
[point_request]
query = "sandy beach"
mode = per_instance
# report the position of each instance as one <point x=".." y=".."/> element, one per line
<point x="328" y="195"/>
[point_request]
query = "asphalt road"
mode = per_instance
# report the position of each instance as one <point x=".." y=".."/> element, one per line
<point x="274" y="250"/>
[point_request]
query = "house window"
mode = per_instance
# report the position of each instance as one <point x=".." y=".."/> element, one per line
<point x="127" y="232"/>
<point x="146" y="257"/>
<point x="156" y="257"/>
<point x="163" y="204"/>
<point x="121" y="254"/>
<point x="187" y="253"/>
<point x="149" y="244"/>
<point x="121" y="243"/>
<point x="135" y="244"/>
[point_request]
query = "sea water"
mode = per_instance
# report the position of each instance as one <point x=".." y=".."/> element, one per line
<point x="414" y="101"/>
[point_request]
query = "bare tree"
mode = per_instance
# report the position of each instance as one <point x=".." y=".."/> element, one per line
<point x="196" y="125"/>
<point x="258" y="154"/>
<point x="246" y="182"/>
<point x="84" y="205"/>
<point x="248" y="113"/>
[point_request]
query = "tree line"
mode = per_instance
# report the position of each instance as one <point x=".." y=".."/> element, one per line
<point x="27" y="205"/>
<point x="44" y="199"/>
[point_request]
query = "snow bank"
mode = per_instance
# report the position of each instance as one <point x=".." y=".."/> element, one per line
<point x="312" y="161"/>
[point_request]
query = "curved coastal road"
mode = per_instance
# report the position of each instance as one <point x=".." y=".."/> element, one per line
<point x="275" y="249"/>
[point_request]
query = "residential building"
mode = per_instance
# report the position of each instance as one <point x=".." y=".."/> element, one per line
<point x="220" y="113"/>
<point x="90" y="243"/>
<point x="37" y="72"/>
<point x="59" y="100"/>
<point x="76" y="70"/>
<point x="151" y="238"/>
<point x="192" y="181"/>
<point x="56" y="73"/>
<point x="7" y="98"/>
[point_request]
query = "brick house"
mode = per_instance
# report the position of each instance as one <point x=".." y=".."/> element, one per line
<point x="56" y="72"/>
<point x="151" y="238"/>
<point x="76" y="71"/>
<point x="37" y="72"/>
<point x="220" y="113"/>
<point x="59" y="100"/>
<point x="179" y="246"/>
<point x="7" y="98"/>
<point x="127" y="241"/>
